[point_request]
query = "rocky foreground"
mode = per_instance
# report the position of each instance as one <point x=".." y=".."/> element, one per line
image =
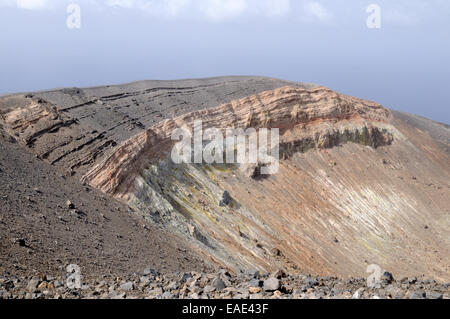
<point x="152" y="285"/>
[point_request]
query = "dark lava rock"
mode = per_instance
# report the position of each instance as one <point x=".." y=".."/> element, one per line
<point x="226" y="199"/>
<point x="388" y="277"/>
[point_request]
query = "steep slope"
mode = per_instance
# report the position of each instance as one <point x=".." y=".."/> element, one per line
<point x="333" y="208"/>
<point x="357" y="184"/>
<point x="39" y="233"/>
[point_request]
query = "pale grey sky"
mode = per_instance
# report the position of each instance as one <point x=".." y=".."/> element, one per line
<point x="404" y="65"/>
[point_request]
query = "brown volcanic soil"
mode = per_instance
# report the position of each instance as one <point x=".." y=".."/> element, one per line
<point x="105" y="238"/>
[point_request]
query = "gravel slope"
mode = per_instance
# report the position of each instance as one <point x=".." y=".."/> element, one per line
<point x="39" y="233"/>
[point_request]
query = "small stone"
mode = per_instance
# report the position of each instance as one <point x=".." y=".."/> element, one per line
<point x="149" y="271"/>
<point x="115" y="295"/>
<point x="185" y="277"/>
<point x="42" y="277"/>
<point x="277" y="294"/>
<point x="42" y="285"/>
<point x="172" y="286"/>
<point x="254" y="290"/>
<point x="309" y="283"/>
<point x="271" y="284"/>
<point x="127" y="286"/>
<point x="33" y="284"/>
<point x="416" y="295"/>
<point x="144" y="281"/>
<point x="434" y="295"/>
<point x="8" y="285"/>
<point x="275" y="252"/>
<point x="219" y="284"/>
<point x="156" y="293"/>
<point x="70" y="205"/>
<point x="394" y="292"/>
<point x="404" y="280"/>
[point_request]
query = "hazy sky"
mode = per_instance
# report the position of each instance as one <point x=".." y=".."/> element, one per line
<point x="403" y="65"/>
